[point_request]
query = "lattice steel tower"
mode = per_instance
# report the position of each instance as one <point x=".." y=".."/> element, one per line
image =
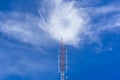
<point x="62" y="61"/>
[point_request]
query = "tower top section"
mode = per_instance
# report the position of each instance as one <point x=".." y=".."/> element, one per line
<point x="62" y="61"/>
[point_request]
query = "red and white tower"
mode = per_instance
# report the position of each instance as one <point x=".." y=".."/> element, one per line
<point x="62" y="61"/>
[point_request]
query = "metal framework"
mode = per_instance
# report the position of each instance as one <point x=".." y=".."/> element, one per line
<point x="62" y="61"/>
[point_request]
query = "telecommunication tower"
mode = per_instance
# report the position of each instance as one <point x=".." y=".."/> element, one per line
<point x="62" y="61"/>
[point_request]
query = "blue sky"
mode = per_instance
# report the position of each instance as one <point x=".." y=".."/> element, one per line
<point x="30" y="33"/>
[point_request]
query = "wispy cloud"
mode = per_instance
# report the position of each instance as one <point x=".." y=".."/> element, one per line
<point x="57" y="19"/>
<point x="106" y="9"/>
<point x="66" y="21"/>
<point x="24" y="64"/>
<point x="23" y="27"/>
<point x="63" y="20"/>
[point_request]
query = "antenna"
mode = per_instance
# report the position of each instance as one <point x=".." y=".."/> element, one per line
<point x="62" y="61"/>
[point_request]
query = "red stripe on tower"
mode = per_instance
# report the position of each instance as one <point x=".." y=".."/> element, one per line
<point x="62" y="61"/>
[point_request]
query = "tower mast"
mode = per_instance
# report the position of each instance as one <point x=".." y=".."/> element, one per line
<point x="62" y="61"/>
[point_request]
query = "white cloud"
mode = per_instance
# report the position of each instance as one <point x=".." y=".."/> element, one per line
<point x="56" y="19"/>
<point x="23" y="27"/>
<point x="107" y="9"/>
<point x="65" y="21"/>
